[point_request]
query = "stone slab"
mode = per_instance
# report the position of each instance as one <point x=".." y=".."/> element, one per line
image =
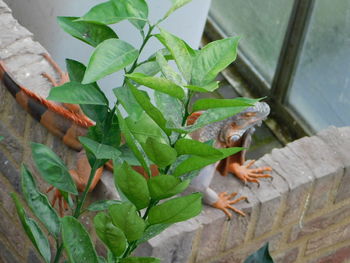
<point x="319" y="158"/>
<point x="338" y="140"/>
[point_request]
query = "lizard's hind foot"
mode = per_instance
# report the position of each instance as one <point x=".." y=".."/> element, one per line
<point x="225" y="203"/>
<point x="62" y="75"/>
<point x="57" y="197"/>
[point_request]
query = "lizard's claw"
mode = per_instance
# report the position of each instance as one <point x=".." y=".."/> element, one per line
<point x="247" y="174"/>
<point x="225" y="203"/>
<point x="57" y="196"/>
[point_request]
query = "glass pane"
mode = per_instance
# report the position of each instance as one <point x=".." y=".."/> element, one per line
<point x="321" y="89"/>
<point x="261" y="25"/>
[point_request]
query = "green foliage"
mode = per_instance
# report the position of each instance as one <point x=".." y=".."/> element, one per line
<point x="176" y="210"/>
<point x="260" y="256"/>
<point x="133" y="185"/>
<point x="52" y="168"/>
<point x="92" y="34"/>
<point x="153" y="129"/>
<point x="125" y="217"/>
<point x="111" y="235"/>
<point x="74" y="233"/>
<point x="110" y="56"/>
<point x="164" y="186"/>
<point x="33" y="231"/>
<point x="38" y="203"/>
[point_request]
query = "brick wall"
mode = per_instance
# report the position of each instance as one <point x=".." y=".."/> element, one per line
<point x="303" y="212"/>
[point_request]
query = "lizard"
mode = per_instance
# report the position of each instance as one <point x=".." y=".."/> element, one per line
<point x="68" y="122"/>
<point x="235" y="131"/>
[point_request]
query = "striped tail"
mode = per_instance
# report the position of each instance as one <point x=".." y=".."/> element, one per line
<point x="58" y="120"/>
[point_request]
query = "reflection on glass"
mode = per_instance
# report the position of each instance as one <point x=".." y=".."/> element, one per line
<point x="261" y="25"/>
<point x="321" y="90"/>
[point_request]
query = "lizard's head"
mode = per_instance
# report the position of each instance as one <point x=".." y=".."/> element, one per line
<point x="244" y="122"/>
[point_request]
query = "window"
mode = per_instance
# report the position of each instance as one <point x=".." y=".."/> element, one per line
<point x="295" y="52"/>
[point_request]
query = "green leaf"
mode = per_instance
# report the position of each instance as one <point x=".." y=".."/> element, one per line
<point x="212" y="59"/>
<point x="38" y="203"/>
<point x="196" y="162"/>
<point x="164" y="52"/>
<point x="179" y="50"/>
<point x="212" y="86"/>
<point x="128" y="156"/>
<point x="109" y="57"/>
<point x="167" y="70"/>
<point x="160" y="84"/>
<point x="145" y="102"/>
<point x="33" y="231"/>
<point x="102" y="205"/>
<point x="260" y="256"/>
<point x="204" y="104"/>
<point x="111" y="13"/>
<point x="144" y="127"/>
<point x="161" y="154"/>
<point x="176" y="5"/>
<point x="132" y="143"/>
<point x="149" y="68"/>
<point x="76" y="71"/>
<point x="52" y="168"/>
<point x="128" y="101"/>
<point x="164" y="186"/>
<point x="140" y="260"/>
<point x="111" y="235"/>
<point x="152" y="231"/>
<point x="193" y="147"/>
<point x="174" y="114"/>
<point x="1" y="138"/>
<point x="125" y="217"/>
<point x="135" y="10"/>
<point x="92" y="34"/>
<point x="75" y="92"/>
<point x="210" y="116"/>
<point x="77" y="242"/>
<point x="176" y="209"/>
<point x="101" y="151"/>
<point x="133" y="185"/>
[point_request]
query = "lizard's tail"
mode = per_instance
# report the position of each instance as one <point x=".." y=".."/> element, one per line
<point x="60" y="121"/>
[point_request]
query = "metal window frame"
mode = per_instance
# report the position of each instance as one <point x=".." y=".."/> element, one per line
<point x="289" y="122"/>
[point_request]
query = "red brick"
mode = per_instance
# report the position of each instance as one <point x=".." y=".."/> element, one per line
<point x="329" y="238"/>
<point x="339" y="256"/>
<point x="287" y="256"/>
<point x="319" y="223"/>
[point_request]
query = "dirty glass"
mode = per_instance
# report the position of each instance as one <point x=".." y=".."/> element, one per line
<point x="320" y="93"/>
<point x="261" y="25"/>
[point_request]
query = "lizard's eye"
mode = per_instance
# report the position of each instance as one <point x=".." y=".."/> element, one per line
<point x="235" y="137"/>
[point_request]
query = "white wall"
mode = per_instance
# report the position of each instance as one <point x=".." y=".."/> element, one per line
<point x="39" y="16"/>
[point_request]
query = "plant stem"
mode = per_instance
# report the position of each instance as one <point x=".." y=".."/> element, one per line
<point x="58" y="253"/>
<point x="82" y="200"/>
<point x="148" y="36"/>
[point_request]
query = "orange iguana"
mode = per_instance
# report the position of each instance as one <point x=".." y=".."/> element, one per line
<point x="68" y="122"/>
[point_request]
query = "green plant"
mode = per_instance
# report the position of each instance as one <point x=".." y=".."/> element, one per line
<point x="155" y="132"/>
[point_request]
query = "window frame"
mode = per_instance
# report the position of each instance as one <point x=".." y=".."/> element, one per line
<point x="291" y="124"/>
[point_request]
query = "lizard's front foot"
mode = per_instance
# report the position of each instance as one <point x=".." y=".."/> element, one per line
<point x="224" y="203"/>
<point x="247" y="174"/>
